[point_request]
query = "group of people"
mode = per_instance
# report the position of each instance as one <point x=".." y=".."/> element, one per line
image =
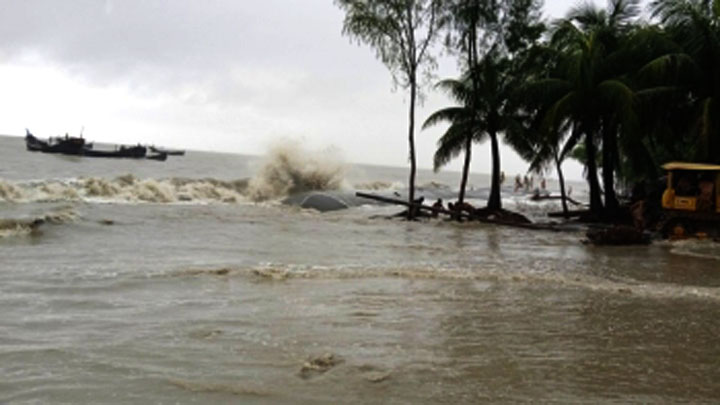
<point x="528" y="183"/>
<point x="454" y="208"/>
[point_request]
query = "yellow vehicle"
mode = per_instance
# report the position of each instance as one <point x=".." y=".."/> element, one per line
<point x="691" y="199"/>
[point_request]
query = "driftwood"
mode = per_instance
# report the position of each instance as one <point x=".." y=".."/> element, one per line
<point x="395" y="201"/>
<point x="456" y="214"/>
<point x="538" y="197"/>
<point x="570" y="214"/>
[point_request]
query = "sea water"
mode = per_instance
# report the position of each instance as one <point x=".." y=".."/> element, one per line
<point x="203" y="279"/>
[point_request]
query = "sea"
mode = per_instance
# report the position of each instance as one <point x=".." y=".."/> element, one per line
<point x="229" y="279"/>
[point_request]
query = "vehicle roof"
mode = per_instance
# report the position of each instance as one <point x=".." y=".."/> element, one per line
<point x="690" y="166"/>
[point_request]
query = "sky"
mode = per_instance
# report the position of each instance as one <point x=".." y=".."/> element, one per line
<point x="221" y="75"/>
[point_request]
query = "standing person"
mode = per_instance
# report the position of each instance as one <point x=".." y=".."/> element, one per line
<point x="438" y="204"/>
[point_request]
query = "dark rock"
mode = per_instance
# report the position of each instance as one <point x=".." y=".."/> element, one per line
<point x="617" y="235"/>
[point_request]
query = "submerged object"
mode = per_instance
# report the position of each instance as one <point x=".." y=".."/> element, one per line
<point x="323" y="202"/>
<point x="618" y="235"/>
<point x="320" y="201"/>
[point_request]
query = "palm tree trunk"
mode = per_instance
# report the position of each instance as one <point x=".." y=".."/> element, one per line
<point x="609" y="154"/>
<point x="494" y="201"/>
<point x="466" y="170"/>
<point x="472" y="66"/>
<point x="411" y="144"/>
<point x="596" y="206"/>
<point x="561" y="180"/>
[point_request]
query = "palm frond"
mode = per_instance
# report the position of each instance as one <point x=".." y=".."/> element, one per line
<point x="450" y="145"/>
<point x="449" y="114"/>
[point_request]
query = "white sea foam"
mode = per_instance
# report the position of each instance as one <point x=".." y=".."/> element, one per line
<point x="703" y="249"/>
<point x="380" y="186"/>
<point x="273" y="272"/>
<point x="124" y="189"/>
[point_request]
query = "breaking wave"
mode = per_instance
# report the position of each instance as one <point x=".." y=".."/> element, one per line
<point x="615" y="286"/>
<point x="286" y="171"/>
<point x="289" y="169"/>
<point x="124" y="189"/>
<point x="26" y="226"/>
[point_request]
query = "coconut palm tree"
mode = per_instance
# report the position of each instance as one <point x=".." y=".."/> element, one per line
<point x="484" y="112"/>
<point x="695" y="26"/>
<point x="462" y="131"/>
<point x="586" y="88"/>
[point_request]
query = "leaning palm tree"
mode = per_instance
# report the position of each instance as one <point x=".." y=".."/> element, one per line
<point x="479" y="116"/>
<point x="462" y="131"/>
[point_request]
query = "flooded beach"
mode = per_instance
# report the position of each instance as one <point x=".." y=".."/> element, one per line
<point x="166" y="283"/>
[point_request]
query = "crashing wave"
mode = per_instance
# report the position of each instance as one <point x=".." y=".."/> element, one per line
<point x="123" y="189"/>
<point x="128" y="189"/>
<point x="289" y="170"/>
<point x="10" y="227"/>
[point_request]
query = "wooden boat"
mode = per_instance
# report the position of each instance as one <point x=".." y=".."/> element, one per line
<point x="34" y="144"/>
<point x="68" y="145"/>
<point x="160" y="157"/>
<point x="77" y="146"/>
<point x="169" y="152"/>
<point x="135" y="152"/>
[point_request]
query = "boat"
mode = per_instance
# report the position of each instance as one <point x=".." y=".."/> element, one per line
<point x="161" y="157"/>
<point x="68" y="145"/>
<point x="34" y="144"/>
<point x="169" y="152"/>
<point x="135" y="152"/>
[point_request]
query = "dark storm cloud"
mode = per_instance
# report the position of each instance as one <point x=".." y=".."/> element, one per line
<point x="167" y="45"/>
<point x="239" y="72"/>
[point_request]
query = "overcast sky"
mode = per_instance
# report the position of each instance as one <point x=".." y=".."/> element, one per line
<point x="224" y="75"/>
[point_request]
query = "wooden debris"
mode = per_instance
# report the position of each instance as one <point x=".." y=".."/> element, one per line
<point x="485" y="217"/>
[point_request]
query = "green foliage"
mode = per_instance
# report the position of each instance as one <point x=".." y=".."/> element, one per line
<point x="599" y="85"/>
<point x="400" y="31"/>
<point x="695" y="26"/>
